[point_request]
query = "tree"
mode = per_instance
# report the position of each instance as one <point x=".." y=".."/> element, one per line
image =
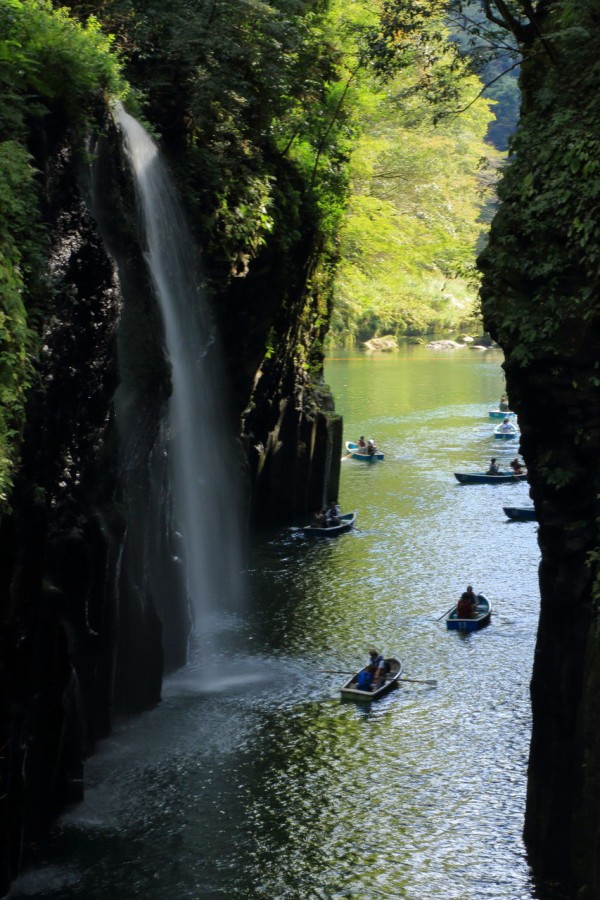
<point x="409" y="239"/>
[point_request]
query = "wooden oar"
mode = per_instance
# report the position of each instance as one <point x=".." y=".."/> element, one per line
<point x="443" y="616"/>
<point x="431" y="681"/>
<point x="334" y="672"/>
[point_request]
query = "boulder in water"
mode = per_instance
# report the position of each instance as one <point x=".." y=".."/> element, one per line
<point x="443" y="345"/>
<point x="385" y="344"/>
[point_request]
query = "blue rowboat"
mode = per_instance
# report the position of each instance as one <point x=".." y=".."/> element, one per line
<point x="504" y="433"/>
<point x="351" y="692"/>
<point x="355" y="453"/>
<point x="499" y="414"/>
<point x="346" y="523"/>
<point x="483" y="478"/>
<point x="479" y="620"/>
<point x="520" y="513"/>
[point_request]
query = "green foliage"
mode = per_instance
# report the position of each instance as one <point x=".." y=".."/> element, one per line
<point x="271" y="99"/>
<point x="15" y="369"/>
<point x="48" y="63"/>
<point x="411" y="34"/>
<point x="18" y="213"/>
<point x="545" y="242"/>
<point x="408" y="244"/>
<point x="249" y="91"/>
<point x="495" y="56"/>
<point x="47" y="58"/>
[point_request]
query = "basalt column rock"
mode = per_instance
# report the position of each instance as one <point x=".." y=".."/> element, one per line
<point x="562" y="815"/>
<point x="277" y="316"/>
<point x="541" y="291"/>
<point x="291" y="434"/>
<point x="297" y="468"/>
<point x="56" y="546"/>
<point x="64" y="610"/>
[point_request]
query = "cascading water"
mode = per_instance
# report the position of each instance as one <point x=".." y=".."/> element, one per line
<point x="204" y="493"/>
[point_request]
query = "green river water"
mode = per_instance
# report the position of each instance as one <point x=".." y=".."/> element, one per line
<point x="266" y="785"/>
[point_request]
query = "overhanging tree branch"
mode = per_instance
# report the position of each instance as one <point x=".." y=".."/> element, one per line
<point x="524" y="33"/>
<point x="336" y="112"/>
<point x="458" y="112"/>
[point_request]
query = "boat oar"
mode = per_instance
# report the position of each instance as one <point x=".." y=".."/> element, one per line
<point x="446" y="613"/>
<point x="431" y="681"/>
<point x="334" y="672"/>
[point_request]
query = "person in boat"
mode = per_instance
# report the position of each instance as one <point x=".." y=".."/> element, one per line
<point x="380" y="667"/>
<point x="371" y="448"/>
<point x="503" y="405"/>
<point x="320" y="518"/>
<point x="507" y="426"/>
<point x="494" y="468"/>
<point x="467" y="605"/>
<point x="516" y="466"/>
<point x="364" y="679"/>
<point x="361" y="444"/>
<point x="333" y="514"/>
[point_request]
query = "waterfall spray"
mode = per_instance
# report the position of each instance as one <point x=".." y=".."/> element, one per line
<point x="205" y="497"/>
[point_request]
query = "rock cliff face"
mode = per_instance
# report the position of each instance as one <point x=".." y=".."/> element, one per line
<point x="540" y="297"/>
<point x="83" y="632"/>
<point x="67" y="664"/>
<point x="291" y="434"/>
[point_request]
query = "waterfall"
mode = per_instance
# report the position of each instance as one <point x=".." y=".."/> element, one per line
<point x="204" y="495"/>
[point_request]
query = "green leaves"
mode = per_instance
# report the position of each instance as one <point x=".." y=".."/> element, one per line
<point x="541" y="269"/>
<point x="48" y="62"/>
<point x="44" y="51"/>
<point x="16" y="343"/>
<point x="408" y="243"/>
<point x="19" y="233"/>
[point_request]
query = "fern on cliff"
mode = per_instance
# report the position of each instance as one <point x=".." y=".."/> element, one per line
<point x="48" y="62"/>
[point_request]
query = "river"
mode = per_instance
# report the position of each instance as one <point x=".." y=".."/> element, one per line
<point x="270" y="787"/>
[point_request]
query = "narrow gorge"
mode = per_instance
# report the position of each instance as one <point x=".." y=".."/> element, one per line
<point x="135" y="465"/>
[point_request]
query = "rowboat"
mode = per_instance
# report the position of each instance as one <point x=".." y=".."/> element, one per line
<point x="346" y="523"/>
<point x="506" y="433"/>
<point x="355" y="453"/>
<point x="500" y="414"/>
<point x="483" y="478"/>
<point x="350" y="690"/>
<point x="520" y="513"/>
<point x="479" y="620"/>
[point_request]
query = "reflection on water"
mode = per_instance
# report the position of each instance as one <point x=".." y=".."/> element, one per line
<point x="273" y="787"/>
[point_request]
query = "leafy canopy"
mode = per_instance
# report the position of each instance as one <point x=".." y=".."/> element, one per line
<point x="417" y="189"/>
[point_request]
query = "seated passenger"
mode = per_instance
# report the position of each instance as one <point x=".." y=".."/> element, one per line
<point x="364" y="679"/>
<point x="517" y="467"/>
<point x="494" y="468"/>
<point x="333" y="514"/>
<point x="467" y="605"/>
<point x="380" y="667"/>
<point x="361" y="444"/>
<point x="320" y="518"/>
<point x="507" y="426"/>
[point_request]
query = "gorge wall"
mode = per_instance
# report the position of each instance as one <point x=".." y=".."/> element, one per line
<point x="541" y="293"/>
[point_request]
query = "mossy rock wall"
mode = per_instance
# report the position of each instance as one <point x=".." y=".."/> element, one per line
<point x="62" y="539"/>
<point x="541" y="301"/>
